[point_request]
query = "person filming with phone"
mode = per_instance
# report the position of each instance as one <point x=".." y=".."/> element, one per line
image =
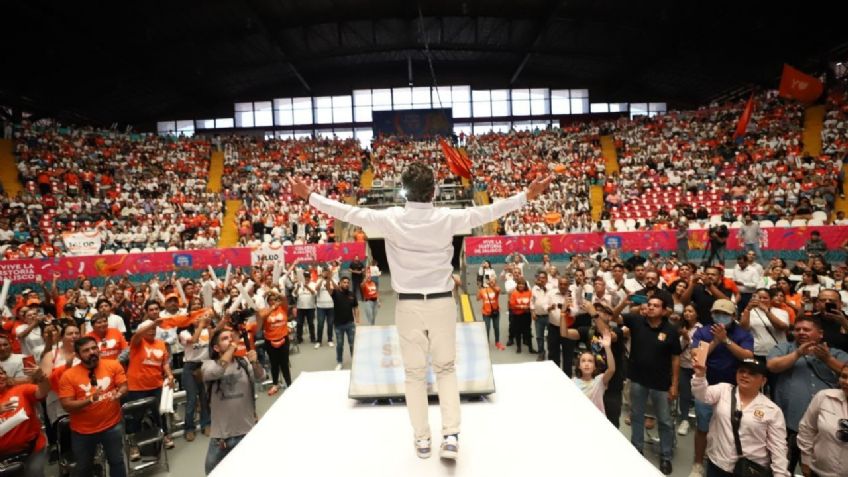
<point x="827" y="307"/>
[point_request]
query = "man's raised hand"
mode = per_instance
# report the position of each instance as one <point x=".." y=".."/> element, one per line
<point x="539" y="185"/>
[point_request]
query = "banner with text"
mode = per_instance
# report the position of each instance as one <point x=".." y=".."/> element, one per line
<point x="308" y="252"/>
<point x="774" y="238"/>
<point x="81" y="243"/>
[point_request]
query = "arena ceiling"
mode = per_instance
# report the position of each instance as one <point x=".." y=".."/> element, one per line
<point x="137" y="62"/>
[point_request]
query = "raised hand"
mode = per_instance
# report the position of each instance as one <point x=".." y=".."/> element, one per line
<point x="300" y="188"/>
<point x="539" y="185"/>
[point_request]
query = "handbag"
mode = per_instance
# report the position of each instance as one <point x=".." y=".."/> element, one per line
<point x="744" y="467"/>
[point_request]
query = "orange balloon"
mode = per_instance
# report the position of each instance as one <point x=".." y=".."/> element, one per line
<point x="553" y="217"/>
<point x="560" y="168"/>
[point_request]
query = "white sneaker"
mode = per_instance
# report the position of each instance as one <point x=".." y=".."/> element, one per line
<point x="683" y="428"/>
<point x="697" y="470"/>
<point x="317" y="345"/>
<point x="331" y="344"/>
<point x="338" y="366"/>
<point x="450" y="447"/>
<point x="422" y="448"/>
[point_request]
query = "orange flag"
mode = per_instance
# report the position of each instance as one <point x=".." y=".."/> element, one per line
<point x="455" y="161"/>
<point x="742" y="125"/>
<point x="797" y="85"/>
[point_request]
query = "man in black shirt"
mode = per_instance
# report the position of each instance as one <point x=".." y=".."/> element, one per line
<point x="634" y="260"/>
<point x="703" y="290"/>
<point x="590" y="335"/>
<point x="828" y="309"/>
<point x="652" y="287"/>
<point x="653" y="371"/>
<point x="357" y="271"/>
<point x="346" y="317"/>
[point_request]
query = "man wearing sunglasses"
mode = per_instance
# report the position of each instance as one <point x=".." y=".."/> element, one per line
<point x="91" y="392"/>
<point x="823" y="432"/>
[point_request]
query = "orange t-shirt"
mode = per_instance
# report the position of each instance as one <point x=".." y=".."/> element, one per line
<point x="26" y="426"/>
<point x="369" y="290"/>
<point x="276" y="326"/>
<point x="147" y="359"/>
<point x="241" y="349"/>
<point x="489" y="297"/>
<point x="99" y="415"/>
<point x="183" y="321"/>
<point x="111" y="345"/>
<point x="519" y="302"/>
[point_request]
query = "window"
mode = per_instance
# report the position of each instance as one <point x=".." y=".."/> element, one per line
<point x="441" y="97"/>
<point x="166" y="127"/>
<point x="285" y="134"/>
<point x="599" y="108"/>
<point x="481" y="104"/>
<point x="559" y="102"/>
<point x="344" y="133"/>
<point x="263" y="114"/>
<point x="342" y="112"/>
<point x="638" y="109"/>
<point x="500" y="102"/>
<point x="421" y="98"/>
<point x="364" y="135"/>
<point x="224" y="123"/>
<point x="482" y="128"/>
<point x="618" y="107"/>
<point x="461" y="101"/>
<point x="401" y="98"/>
<point x="381" y="100"/>
<point x="324" y="133"/>
<point x="324" y="110"/>
<point x="656" y="108"/>
<point x="501" y="127"/>
<point x="539" y="101"/>
<point x="185" y="128"/>
<point x="579" y="101"/>
<point x="522" y="125"/>
<point x="362" y="105"/>
<point x="302" y="110"/>
<point x="204" y="124"/>
<point x="283" y="112"/>
<point x="541" y="124"/>
<point x="521" y="102"/>
<point x="303" y="133"/>
<point x="462" y="128"/>
<point x="244" y="115"/>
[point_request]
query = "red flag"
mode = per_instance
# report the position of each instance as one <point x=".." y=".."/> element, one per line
<point x="455" y="161"/>
<point x="795" y="84"/>
<point x="745" y="118"/>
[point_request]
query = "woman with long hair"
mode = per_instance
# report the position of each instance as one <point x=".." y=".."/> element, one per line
<point x="519" y="315"/>
<point x="688" y="326"/>
<point x="274" y="321"/>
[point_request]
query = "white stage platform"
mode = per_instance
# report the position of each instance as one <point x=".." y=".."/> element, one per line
<point x="537" y="423"/>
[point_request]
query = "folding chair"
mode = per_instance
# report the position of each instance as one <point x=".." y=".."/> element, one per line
<point x="149" y="438"/>
<point x="13" y="466"/>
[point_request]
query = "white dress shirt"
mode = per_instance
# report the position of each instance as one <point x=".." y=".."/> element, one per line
<point x="419" y="236"/>
<point x="749" y="278"/>
<point x="540" y="300"/>
<point x="762" y="431"/>
<point x="820" y="449"/>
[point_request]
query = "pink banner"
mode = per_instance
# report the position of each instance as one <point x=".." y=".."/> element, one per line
<point x="774" y="238"/>
<point x="93" y="266"/>
<point x="70" y="268"/>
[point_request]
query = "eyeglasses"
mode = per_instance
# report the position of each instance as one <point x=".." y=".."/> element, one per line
<point x="842" y="432"/>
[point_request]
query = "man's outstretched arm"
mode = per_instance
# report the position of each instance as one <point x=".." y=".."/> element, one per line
<point x="359" y="216"/>
<point x="477" y="216"/>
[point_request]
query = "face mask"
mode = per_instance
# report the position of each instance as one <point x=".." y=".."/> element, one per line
<point x="722" y="319"/>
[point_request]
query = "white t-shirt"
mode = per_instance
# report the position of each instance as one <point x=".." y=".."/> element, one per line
<point x="594" y="389"/>
<point x="31" y="344"/>
<point x="766" y="336"/>
<point x="114" y="321"/>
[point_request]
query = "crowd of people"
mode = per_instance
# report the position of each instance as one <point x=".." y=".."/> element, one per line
<point x="58" y="346"/>
<point x="765" y="334"/>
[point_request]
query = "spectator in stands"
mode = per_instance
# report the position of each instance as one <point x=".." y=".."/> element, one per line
<point x="519" y="315"/>
<point x="823" y="431"/>
<point x="346" y="309"/>
<point x="540" y="303"/>
<point x="489" y="295"/>
<point x="802" y="368"/>
<point x="195" y="340"/>
<point x="91" y="393"/>
<point x="815" y="245"/>
<point x="370" y="299"/>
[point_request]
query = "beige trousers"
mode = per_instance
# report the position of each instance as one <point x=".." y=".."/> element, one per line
<point x="428" y="327"/>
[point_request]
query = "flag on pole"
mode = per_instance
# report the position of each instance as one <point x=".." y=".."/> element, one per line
<point x="795" y="84"/>
<point x="742" y="125"/>
<point x="459" y="164"/>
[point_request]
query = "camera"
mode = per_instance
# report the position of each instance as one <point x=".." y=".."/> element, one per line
<point x="239" y="318"/>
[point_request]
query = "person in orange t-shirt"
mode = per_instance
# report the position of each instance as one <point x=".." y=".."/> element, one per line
<point x="519" y="315"/>
<point x="91" y="393"/>
<point x="146" y="373"/>
<point x="274" y="322"/>
<point x="110" y="340"/>
<point x="370" y="297"/>
<point x="21" y="425"/>
<point x="491" y="309"/>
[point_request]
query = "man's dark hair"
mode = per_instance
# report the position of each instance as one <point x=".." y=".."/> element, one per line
<point x="419" y="183"/>
<point x="102" y="301"/>
<point x="78" y="344"/>
<point x="812" y="319"/>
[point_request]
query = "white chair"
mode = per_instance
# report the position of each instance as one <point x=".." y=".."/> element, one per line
<point x="819" y="215"/>
<point x="714" y="219"/>
<point x="135" y="250"/>
<point x="121" y="251"/>
<point x="161" y="249"/>
<point x="620" y="224"/>
<point x="275" y="243"/>
<point x="605" y="224"/>
<point x="630" y="224"/>
<point x="782" y="223"/>
<point x="815" y="222"/>
<point x="287" y="242"/>
<point x="798" y="222"/>
<point x="766" y="223"/>
<point x="108" y="252"/>
<point x="148" y="250"/>
<point x="172" y="248"/>
<point x="266" y="238"/>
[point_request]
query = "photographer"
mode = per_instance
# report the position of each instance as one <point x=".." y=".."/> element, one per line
<point x="230" y="390"/>
<point x="718" y="235"/>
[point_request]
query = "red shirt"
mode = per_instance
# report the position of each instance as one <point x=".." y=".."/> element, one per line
<point x="26" y="426"/>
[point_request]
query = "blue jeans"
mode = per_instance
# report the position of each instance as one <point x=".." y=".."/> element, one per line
<point x="85" y="445"/>
<point x="194" y="391"/>
<point x="218" y="449"/>
<point x="369" y="309"/>
<point x="325" y="314"/>
<point x="541" y="325"/>
<point x="639" y="395"/>
<point x="493" y="320"/>
<point x="348" y="329"/>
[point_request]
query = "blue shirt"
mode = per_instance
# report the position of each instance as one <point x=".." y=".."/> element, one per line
<point x="721" y="364"/>
<point x="795" y="387"/>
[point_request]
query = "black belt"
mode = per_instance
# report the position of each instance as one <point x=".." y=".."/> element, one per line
<point x="423" y="296"/>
